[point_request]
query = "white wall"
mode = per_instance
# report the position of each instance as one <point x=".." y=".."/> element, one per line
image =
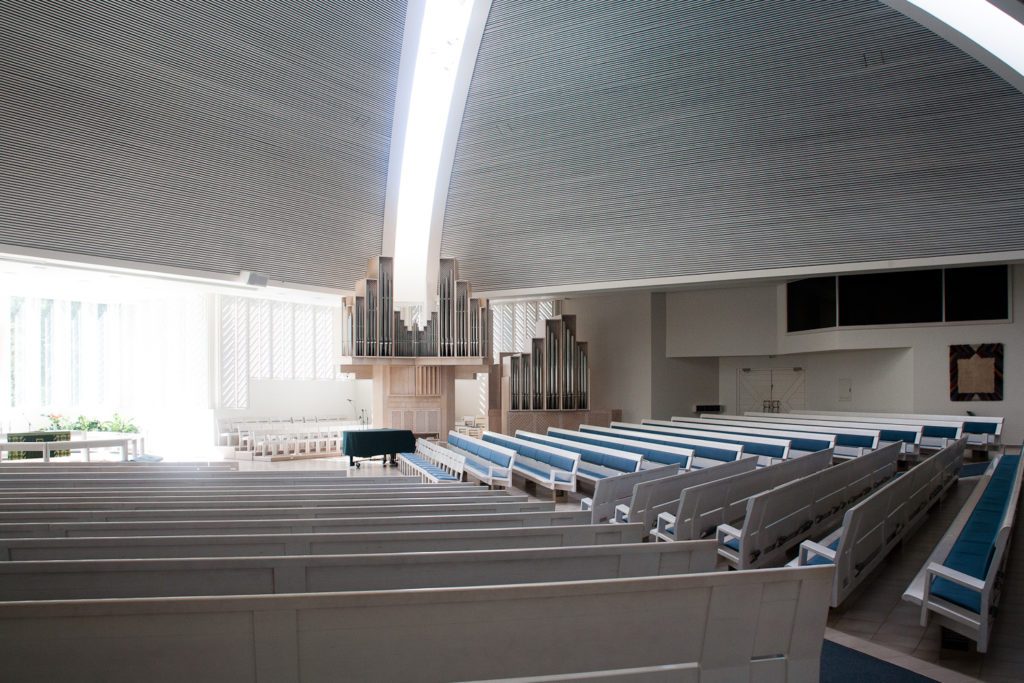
<point x="881" y="379"/>
<point x="892" y="368"/>
<point x="309" y="398"/>
<point x="677" y="384"/>
<point x="617" y="328"/>
<point x="736" y="321"/>
<point x="467" y="397"/>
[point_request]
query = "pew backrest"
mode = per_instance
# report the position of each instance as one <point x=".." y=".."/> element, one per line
<point x="654" y="497"/>
<point x="611" y="492"/>
<point x="702" y="508"/>
<point x="780" y="519"/>
<point x="875" y="525"/>
<point x="681" y="619"/>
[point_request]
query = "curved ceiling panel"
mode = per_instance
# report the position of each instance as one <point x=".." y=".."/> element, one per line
<point x="248" y="134"/>
<point x="646" y="139"/>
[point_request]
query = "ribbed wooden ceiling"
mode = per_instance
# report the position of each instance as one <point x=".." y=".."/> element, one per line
<point x="221" y="136"/>
<point x="635" y="139"/>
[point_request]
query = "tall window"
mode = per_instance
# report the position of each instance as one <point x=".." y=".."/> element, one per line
<point x="514" y="323"/>
<point x="76" y="357"/>
<point x="263" y="339"/>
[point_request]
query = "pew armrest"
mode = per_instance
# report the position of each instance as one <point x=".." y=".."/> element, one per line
<point x="727" y="532"/>
<point x="587" y="504"/>
<point x="966" y="580"/>
<point x="809" y="549"/>
<point x="665" y="529"/>
<point x="621" y="514"/>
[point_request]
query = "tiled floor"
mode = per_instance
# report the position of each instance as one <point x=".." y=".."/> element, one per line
<point x="877" y="621"/>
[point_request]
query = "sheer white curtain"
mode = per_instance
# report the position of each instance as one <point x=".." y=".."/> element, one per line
<point x="266" y="339"/>
<point x="514" y="323"/>
<point x="146" y="359"/>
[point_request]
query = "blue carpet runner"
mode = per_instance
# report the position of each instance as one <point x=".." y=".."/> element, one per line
<point x="840" y="664"/>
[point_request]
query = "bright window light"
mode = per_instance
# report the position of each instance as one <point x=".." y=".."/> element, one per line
<point x="985" y="24"/>
<point x="437" y="62"/>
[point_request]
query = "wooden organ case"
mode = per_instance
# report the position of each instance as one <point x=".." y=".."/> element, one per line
<point x="414" y="369"/>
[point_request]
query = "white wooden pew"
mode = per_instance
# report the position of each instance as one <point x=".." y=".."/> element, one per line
<point x="374" y="509"/>
<point x="357" y="543"/>
<point x="178" y="577"/>
<point x="800" y="443"/>
<point x="488" y="463"/>
<point x="880" y="522"/>
<point x="705" y="453"/>
<point x="281" y="500"/>
<point x="654" y="497"/>
<point x="984" y="432"/>
<point x="611" y="492"/>
<point x="69" y="480"/>
<point x="245" y="493"/>
<point x="672" y="620"/>
<point x="307" y="525"/>
<point x="960" y="583"/>
<point x="768" y="449"/>
<point x="700" y="509"/>
<point x="552" y="468"/>
<point x="850" y="441"/>
<point x="596" y="462"/>
<point x="433" y="463"/>
<point x="654" y="455"/>
<point x="780" y="519"/>
<point x="934" y="433"/>
<point x="907" y="435"/>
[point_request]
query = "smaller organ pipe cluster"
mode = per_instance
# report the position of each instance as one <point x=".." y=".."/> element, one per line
<point x="555" y="374"/>
<point x="373" y="328"/>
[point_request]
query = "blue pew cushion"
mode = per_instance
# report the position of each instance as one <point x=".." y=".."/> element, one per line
<point x="972" y="552"/>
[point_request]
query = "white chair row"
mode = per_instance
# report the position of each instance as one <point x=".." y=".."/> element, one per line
<point x="880" y="522"/>
<point x="702" y="508"/>
<point x="778" y="520"/>
<point x="960" y="582"/>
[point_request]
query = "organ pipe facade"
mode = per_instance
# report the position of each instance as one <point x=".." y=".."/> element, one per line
<point x="555" y="374"/>
<point x="373" y="328"/>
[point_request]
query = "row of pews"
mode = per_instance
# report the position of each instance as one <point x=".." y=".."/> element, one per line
<point x="798" y="507"/>
<point x="192" y="572"/>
